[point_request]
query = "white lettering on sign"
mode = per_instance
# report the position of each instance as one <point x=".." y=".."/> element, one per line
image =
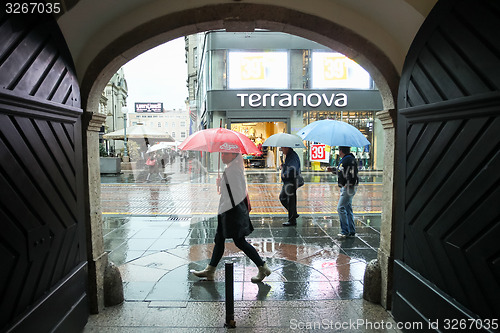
<point x="286" y="100"/>
<point x="342" y="101"/>
<point x="254" y="100"/>
<point x="310" y="102"/>
<point x="228" y="147"/>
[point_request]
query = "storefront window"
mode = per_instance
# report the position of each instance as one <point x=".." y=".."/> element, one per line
<point x="362" y="120"/>
<point x="258" y="132"/>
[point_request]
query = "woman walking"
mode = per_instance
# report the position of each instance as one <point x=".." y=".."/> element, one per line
<point x="233" y="220"/>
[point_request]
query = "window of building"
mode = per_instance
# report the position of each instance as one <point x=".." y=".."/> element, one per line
<point x="183" y="123"/>
<point x="195" y="57"/>
<point x="183" y="135"/>
<point x="159" y="124"/>
<point x="173" y="134"/>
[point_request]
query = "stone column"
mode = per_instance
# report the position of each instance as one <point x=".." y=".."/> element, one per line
<point x="386" y="250"/>
<point x="97" y="257"/>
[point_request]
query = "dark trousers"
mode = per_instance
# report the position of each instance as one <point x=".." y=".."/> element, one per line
<point x="240" y="243"/>
<point x="288" y="198"/>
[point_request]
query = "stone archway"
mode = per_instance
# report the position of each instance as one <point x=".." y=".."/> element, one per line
<point x="237" y="17"/>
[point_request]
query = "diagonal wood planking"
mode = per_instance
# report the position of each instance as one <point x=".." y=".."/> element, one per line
<point x="40" y="168"/>
<point x="442" y="204"/>
<point x="449" y="120"/>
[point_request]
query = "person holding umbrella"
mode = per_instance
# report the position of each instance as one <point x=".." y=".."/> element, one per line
<point x="233" y="220"/>
<point x="339" y="133"/>
<point x="290" y="170"/>
<point x="288" y="195"/>
<point x="347" y="173"/>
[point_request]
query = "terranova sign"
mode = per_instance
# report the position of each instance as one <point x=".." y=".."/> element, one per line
<point x="324" y="100"/>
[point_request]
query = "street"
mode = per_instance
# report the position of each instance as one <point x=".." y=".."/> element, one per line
<point x="188" y="193"/>
<point x="157" y="232"/>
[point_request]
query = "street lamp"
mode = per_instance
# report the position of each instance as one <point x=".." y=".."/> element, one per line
<point x="125" y="134"/>
<point x="125" y="152"/>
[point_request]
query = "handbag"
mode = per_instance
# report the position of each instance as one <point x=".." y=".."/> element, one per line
<point x="236" y="222"/>
<point x="247" y="202"/>
<point x="299" y="180"/>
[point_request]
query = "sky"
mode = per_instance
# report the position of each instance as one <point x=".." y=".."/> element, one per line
<point x="158" y="75"/>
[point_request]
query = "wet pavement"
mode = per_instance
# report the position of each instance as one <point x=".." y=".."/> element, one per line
<point x="156" y="232"/>
<point x="186" y="192"/>
<point x="308" y="261"/>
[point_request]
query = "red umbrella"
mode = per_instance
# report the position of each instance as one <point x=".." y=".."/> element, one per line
<point x="219" y="140"/>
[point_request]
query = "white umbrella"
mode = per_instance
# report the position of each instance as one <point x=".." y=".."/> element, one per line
<point x="284" y="140"/>
<point x="139" y="132"/>
<point x="162" y="145"/>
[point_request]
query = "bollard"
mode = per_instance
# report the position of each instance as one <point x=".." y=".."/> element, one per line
<point x="230" y="323"/>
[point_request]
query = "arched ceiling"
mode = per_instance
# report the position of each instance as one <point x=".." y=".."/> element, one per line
<point x="104" y="35"/>
<point x="90" y="26"/>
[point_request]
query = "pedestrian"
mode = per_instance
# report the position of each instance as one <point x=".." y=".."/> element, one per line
<point x="233" y="220"/>
<point x="347" y="173"/>
<point x="270" y="159"/>
<point x="288" y="195"/>
<point x="151" y="165"/>
<point x="162" y="159"/>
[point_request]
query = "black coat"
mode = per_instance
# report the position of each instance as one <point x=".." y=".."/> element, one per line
<point x="347" y="171"/>
<point x="291" y="168"/>
<point x="233" y="216"/>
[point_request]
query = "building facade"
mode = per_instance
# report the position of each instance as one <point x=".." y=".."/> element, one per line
<point x="173" y="122"/>
<point x="193" y="58"/>
<point x="113" y="104"/>
<point x="262" y="83"/>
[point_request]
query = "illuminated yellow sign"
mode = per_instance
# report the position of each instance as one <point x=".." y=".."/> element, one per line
<point x="257" y="70"/>
<point x="334" y="68"/>
<point x="252" y="68"/>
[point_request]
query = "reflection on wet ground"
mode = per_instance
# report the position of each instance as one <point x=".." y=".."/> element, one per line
<point x="183" y="196"/>
<point x="157" y="231"/>
<point x="266" y="176"/>
<point x="155" y="255"/>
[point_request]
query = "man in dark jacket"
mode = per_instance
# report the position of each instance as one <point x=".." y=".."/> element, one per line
<point x="347" y="173"/>
<point x="288" y="196"/>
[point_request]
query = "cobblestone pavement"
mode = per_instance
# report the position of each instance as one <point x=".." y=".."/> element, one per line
<point x="157" y="232"/>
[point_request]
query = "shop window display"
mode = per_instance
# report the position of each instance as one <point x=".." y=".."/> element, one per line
<point x="362" y="120"/>
<point x="258" y="132"/>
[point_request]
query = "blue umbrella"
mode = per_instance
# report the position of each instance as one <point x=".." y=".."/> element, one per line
<point x="333" y="133"/>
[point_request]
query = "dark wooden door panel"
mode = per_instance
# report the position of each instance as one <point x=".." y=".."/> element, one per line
<point x="42" y="243"/>
<point x="447" y="211"/>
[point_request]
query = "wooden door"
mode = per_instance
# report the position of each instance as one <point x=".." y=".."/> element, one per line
<point x="42" y="238"/>
<point x="447" y="193"/>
